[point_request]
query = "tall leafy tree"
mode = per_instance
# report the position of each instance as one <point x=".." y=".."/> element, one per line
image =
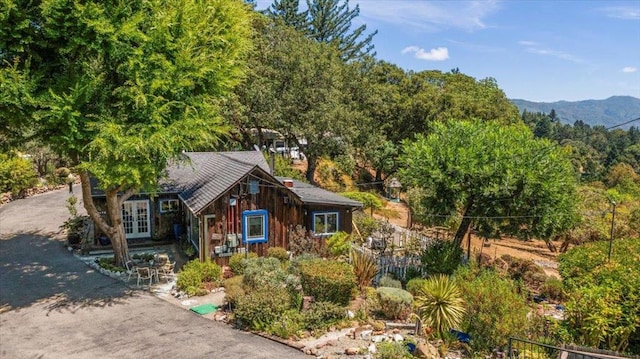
<point x="296" y="86"/>
<point x="375" y="87"/>
<point x="121" y="87"/>
<point x="498" y="178"/>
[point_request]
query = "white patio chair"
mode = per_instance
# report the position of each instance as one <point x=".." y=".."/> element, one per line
<point x="167" y="271"/>
<point x="144" y="273"/>
<point x="131" y="269"/>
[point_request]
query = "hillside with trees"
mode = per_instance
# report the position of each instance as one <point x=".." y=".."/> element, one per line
<point x="609" y="112"/>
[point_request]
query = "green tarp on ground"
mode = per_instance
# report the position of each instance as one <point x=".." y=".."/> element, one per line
<point x="203" y="309"/>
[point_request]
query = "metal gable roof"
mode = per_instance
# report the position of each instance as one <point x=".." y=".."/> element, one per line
<point x="310" y="194"/>
<point x="204" y="176"/>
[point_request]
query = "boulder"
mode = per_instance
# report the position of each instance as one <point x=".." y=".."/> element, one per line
<point x="352" y="351"/>
<point x="426" y="350"/>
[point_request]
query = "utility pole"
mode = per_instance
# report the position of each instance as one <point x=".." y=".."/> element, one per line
<point x="613" y="218"/>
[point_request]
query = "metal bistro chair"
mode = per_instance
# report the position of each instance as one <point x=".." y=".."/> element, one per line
<point x="167" y="270"/>
<point x="144" y="273"/>
<point x="131" y="269"/>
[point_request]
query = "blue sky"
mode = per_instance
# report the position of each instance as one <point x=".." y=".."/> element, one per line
<point x="536" y="50"/>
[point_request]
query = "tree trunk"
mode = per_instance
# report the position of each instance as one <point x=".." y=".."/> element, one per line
<point x="311" y="169"/>
<point x="551" y="246"/>
<point x="115" y="231"/>
<point x="464" y="225"/>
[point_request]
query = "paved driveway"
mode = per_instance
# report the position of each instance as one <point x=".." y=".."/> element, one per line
<point x="54" y="306"/>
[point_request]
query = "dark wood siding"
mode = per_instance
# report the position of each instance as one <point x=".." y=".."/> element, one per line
<point x="284" y="210"/>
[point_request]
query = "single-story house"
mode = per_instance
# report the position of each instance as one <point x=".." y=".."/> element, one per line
<point x="228" y="202"/>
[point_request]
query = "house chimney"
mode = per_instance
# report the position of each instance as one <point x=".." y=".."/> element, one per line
<point x="288" y="183"/>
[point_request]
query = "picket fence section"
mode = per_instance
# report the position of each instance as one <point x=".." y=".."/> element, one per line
<point x="397" y="266"/>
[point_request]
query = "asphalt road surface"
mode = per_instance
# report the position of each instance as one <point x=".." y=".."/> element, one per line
<point x="54" y="306"/>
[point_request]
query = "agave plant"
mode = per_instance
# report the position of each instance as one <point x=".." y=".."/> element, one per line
<point x="439" y="304"/>
<point x="364" y="267"/>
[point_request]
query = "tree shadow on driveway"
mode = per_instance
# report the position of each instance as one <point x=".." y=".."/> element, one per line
<point x="38" y="269"/>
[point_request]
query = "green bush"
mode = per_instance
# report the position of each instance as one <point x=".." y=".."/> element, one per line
<point x="603" y="296"/>
<point x="328" y="280"/>
<point x="395" y="303"/>
<point x="16" y="174"/>
<point x="279" y="253"/>
<point x="322" y="315"/>
<point x="495" y="309"/>
<point x="259" y="309"/>
<point x="109" y="263"/>
<point x="264" y="272"/>
<point x="388" y="281"/>
<point x="233" y="289"/>
<point x="367" y="225"/>
<point x="62" y="173"/>
<point x="194" y="274"/>
<point x="369" y="200"/>
<point x="441" y="257"/>
<point x="339" y="244"/>
<point x="392" y="350"/>
<point x="237" y="262"/>
<point x="526" y="270"/>
<point x="283" y="168"/>
<point x="287" y="325"/>
<point x="552" y="288"/>
<point x="414" y="285"/>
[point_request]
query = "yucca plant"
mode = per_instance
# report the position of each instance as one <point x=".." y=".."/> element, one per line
<point x="439" y="304"/>
<point x="364" y="267"/>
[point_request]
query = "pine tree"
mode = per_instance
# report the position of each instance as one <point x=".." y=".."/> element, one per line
<point x="326" y="21"/>
<point x="288" y="12"/>
<point x="330" y="22"/>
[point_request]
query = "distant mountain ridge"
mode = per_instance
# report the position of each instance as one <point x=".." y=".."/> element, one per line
<point x="609" y="112"/>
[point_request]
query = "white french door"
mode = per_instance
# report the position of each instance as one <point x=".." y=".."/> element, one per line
<point x="135" y="217"/>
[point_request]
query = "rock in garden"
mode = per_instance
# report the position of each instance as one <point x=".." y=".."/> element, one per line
<point x="426" y="350"/>
<point x="351" y="351"/>
<point x="366" y="334"/>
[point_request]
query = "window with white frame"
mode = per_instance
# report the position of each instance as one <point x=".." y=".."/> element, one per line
<point x="168" y="205"/>
<point x="325" y="223"/>
<point x="255" y="226"/>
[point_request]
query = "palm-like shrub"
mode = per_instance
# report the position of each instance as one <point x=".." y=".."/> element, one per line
<point x="364" y="267"/>
<point x="439" y="304"/>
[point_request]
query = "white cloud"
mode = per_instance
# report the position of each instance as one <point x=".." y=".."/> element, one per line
<point x="439" y="54"/>
<point x="622" y="12"/>
<point x="533" y="48"/>
<point x="428" y="15"/>
<point x="527" y="43"/>
<point x="629" y="69"/>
